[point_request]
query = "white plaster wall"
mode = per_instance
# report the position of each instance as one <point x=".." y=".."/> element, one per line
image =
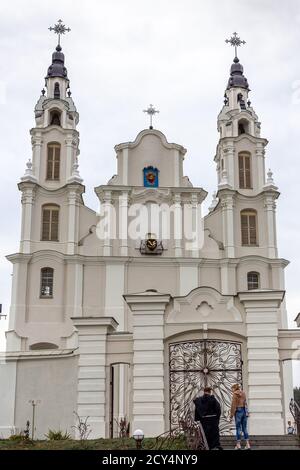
<point x="188" y="279"/>
<point x="114" y="290"/>
<point x="54" y="382"/>
<point x="8" y="372"/>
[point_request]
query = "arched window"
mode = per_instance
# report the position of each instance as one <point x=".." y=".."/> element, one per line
<point x="53" y="161"/>
<point x="243" y="127"/>
<point x="249" y="227"/>
<point x="253" y="280"/>
<point x="245" y="170"/>
<point x="50" y="223"/>
<point x="46" y="289"/>
<point x="55" y="118"/>
<point x="56" y="91"/>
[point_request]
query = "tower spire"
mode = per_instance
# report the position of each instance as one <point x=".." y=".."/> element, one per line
<point x="237" y="78"/>
<point x="57" y="68"/>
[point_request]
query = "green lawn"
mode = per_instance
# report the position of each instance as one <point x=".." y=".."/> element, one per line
<point x="93" y="444"/>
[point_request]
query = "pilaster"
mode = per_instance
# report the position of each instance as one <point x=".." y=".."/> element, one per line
<point x="92" y="371"/>
<point x="264" y="373"/>
<point x="148" y="361"/>
<point x="177" y="226"/>
<point x="28" y="198"/>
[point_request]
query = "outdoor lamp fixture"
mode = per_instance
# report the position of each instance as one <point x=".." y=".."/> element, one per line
<point x="138" y="436"/>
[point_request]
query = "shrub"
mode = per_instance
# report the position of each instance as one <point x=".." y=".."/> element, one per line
<point x="57" y="435"/>
<point x="16" y="437"/>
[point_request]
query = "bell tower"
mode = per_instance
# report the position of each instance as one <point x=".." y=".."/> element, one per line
<point x="247" y="196"/>
<point x="51" y="186"/>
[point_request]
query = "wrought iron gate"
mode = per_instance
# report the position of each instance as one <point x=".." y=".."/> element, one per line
<point x="198" y="364"/>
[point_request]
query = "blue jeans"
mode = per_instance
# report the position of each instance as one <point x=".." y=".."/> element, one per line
<point x="241" y="424"/>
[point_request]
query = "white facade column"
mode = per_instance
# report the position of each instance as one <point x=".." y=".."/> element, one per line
<point x="92" y="371"/>
<point x="148" y="361"/>
<point x="270" y="212"/>
<point x="229" y="166"/>
<point x="125" y="166"/>
<point x="123" y="223"/>
<point x="227" y="203"/>
<point x="78" y="290"/>
<point x="109" y="221"/>
<point x="177" y="226"/>
<point x="28" y="197"/>
<point x="37" y="143"/>
<point x="261" y="170"/>
<point x="71" y="146"/>
<point x="264" y="372"/>
<point x="228" y="276"/>
<point x="72" y="219"/>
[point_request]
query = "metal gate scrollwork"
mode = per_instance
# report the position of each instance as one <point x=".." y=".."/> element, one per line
<point x="198" y="364"/>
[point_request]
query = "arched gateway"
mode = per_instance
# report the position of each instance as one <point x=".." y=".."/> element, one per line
<point x="198" y="364"/>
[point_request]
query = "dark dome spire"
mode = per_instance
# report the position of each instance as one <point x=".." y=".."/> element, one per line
<point x="57" y="68"/>
<point x="237" y="78"/>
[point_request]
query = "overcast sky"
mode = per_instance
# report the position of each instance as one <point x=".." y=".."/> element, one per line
<point x="122" y="55"/>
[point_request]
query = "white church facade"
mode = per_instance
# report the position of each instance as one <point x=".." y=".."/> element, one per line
<point x="131" y="312"/>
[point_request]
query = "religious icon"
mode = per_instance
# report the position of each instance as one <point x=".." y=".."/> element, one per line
<point x="150" y="177"/>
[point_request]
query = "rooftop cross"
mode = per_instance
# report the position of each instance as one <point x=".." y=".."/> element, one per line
<point x="235" y="41"/>
<point x="151" y="111"/>
<point x="60" y="29"/>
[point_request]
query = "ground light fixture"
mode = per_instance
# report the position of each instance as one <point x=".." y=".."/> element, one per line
<point x="138" y="436"/>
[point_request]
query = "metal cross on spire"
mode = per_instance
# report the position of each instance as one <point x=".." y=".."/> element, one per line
<point x="151" y="111"/>
<point x="235" y="41"/>
<point x="60" y="29"/>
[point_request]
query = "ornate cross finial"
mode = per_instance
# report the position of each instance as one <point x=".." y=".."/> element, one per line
<point x="60" y="29"/>
<point x="235" y="41"/>
<point x="151" y="111"/>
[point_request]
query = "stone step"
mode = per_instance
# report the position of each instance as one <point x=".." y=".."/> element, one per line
<point x="285" y="438"/>
<point x="285" y="442"/>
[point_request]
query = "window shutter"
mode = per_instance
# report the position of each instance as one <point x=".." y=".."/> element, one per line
<point x="46" y="224"/>
<point x="241" y="171"/>
<point x="54" y="225"/>
<point x="252" y="229"/>
<point x="244" y="223"/>
<point x="247" y="172"/>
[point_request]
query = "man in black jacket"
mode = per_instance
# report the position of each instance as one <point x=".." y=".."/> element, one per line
<point x="208" y="412"/>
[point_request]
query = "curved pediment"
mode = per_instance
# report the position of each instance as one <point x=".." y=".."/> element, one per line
<point x="203" y="305"/>
<point x="150" y="132"/>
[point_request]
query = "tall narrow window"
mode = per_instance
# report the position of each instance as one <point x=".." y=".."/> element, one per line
<point x="53" y="161"/>
<point x="50" y="219"/>
<point x="47" y="276"/>
<point x="249" y="227"/>
<point x="245" y="170"/>
<point x="253" y="280"/>
<point x="55" y="118"/>
<point x="56" y="91"/>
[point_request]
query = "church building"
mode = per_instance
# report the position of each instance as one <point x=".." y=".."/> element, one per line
<point x="132" y="311"/>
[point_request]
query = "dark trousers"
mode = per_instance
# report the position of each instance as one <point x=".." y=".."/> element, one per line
<point x="211" y="428"/>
